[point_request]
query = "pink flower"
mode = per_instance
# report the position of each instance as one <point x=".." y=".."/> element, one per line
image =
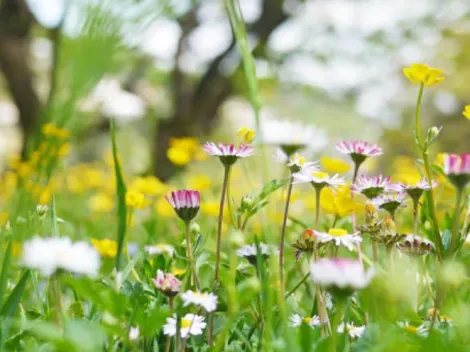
<point x="185" y="202"/>
<point x="416" y="190"/>
<point x="457" y="168"/>
<point x="359" y="150"/>
<point x="389" y="201"/>
<point x="228" y="153"/>
<point x="373" y="186"/>
<point x="167" y="283"/>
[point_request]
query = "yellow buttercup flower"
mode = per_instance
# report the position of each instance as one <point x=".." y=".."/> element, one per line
<point x="423" y="74"/>
<point x="177" y="271"/>
<point x="107" y="248"/>
<point x="200" y="182"/>
<point x="164" y="209"/>
<point x="136" y="200"/>
<point x="466" y="111"/>
<point x="149" y="185"/>
<point x="335" y="166"/>
<point x="338" y="203"/>
<point x="210" y="208"/>
<point x="101" y="202"/>
<point x="178" y="156"/>
<point x="247" y="134"/>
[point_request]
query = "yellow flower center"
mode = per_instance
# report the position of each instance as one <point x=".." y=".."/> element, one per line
<point x="298" y="159"/>
<point x="199" y="294"/>
<point x="337" y="232"/>
<point x="247" y="134"/>
<point x="320" y="175"/>
<point x="411" y="328"/>
<point x="307" y="320"/>
<point x="185" y="323"/>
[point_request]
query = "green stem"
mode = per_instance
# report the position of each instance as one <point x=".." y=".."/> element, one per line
<point x="189" y="251"/>
<point x="297" y="286"/>
<point x="283" y="233"/>
<point x="454" y="237"/>
<point x="340" y="311"/>
<point x="415" y="216"/>
<point x="168" y="338"/>
<point x="317" y="203"/>
<point x="55" y="291"/>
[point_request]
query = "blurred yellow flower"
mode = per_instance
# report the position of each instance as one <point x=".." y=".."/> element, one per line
<point x="101" y="202"/>
<point x="3" y="218"/>
<point x="106" y="247"/>
<point x="210" y="208"/>
<point x="136" y="200"/>
<point x="177" y="271"/>
<point x="149" y="185"/>
<point x="16" y="249"/>
<point x="247" y="134"/>
<point x="93" y="177"/>
<point x="164" y="208"/>
<point x="338" y="203"/>
<point x="45" y="196"/>
<point x="466" y="111"/>
<point x="189" y="143"/>
<point x="178" y="156"/>
<point x="51" y="130"/>
<point x="334" y="165"/>
<point x="422" y="73"/>
<point x="200" y="182"/>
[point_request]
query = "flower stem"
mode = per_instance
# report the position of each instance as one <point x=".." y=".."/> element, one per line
<point x="168" y="338"/>
<point x="375" y="252"/>
<point x="317" y="204"/>
<point x="415" y="216"/>
<point x="322" y="312"/>
<point x="454" y="237"/>
<point x="217" y="253"/>
<point x="55" y="291"/>
<point x="297" y="286"/>
<point x="429" y="194"/>
<point x="283" y="233"/>
<point x="340" y="311"/>
<point x="189" y="252"/>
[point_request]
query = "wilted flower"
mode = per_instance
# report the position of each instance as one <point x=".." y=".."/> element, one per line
<point x="249" y="252"/>
<point x="228" y="153"/>
<point x="423" y="74"/>
<point x="316" y="178"/>
<point x="359" y="150"/>
<point x="389" y="201"/>
<point x="352" y="330"/>
<point x="415" y="191"/>
<point x="387" y="233"/>
<point x="160" y="248"/>
<point x="49" y="255"/>
<point x="185" y="202"/>
<point x="457" y="169"/>
<point x="167" y="284"/>
<point x="341" y="276"/>
<point x="206" y="300"/>
<point x="296" y="320"/>
<point x="295" y="161"/>
<point x="340" y="237"/>
<point x="415" y="245"/>
<point x="191" y="324"/>
<point x="373" y="186"/>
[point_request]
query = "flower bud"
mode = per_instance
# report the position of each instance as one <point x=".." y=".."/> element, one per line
<point x="237" y="239"/>
<point x="371" y="214"/>
<point x="194" y="228"/>
<point x="433" y="133"/>
<point x="167" y="284"/>
<point x="247" y="201"/>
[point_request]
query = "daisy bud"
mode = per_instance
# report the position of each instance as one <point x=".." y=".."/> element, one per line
<point x="167" y="284"/>
<point x="185" y="202"/>
<point x="306" y="242"/>
<point x="371" y="214"/>
<point x="433" y="133"/>
<point x="42" y="210"/>
<point x="237" y="239"/>
<point x="247" y="201"/>
<point x="387" y="234"/>
<point x="194" y="228"/>
<point x="415" y="246"/>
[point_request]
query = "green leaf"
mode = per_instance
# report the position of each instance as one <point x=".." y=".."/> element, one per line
<point x="5" y="271"/>
<point x="121" y="197"/>
<point x="10" y="306"/>
<point x="272" y="186"/>
<point x="127" y="270"/>
<point x="85" y="335"/>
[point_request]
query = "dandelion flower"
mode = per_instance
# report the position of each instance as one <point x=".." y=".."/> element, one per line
<point x="206" y="300"/>
<point x="191" y="324"/>
<point x="340" y="237"/>
<point x="166" y="283"/>
<point x="186" y="203"/>
<point x="228" y="153"/>
<point x="295" y="320"/>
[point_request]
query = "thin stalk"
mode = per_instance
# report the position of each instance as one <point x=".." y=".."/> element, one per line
<point x="415" y="216"/>
<point x="297" y="286"/>
<point x="322" y="312"/>
<point x="341" y="308"/>
<point x="189" y="251"/>
<point x="168" y="338"/>
<point x="375" y="252"/>
<point x="55" y="291"/>
<point x="283" y="233"/>
<point x="317" y="203"/>
<point x="210" y="337"/>
<point x="427" y="168"/>
<point x="454" y="237"/>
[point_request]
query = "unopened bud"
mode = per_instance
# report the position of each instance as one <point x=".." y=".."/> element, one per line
<point x="194" y="228"/>
<point x="371" y="214"/>
<point x="433" y="132"/>
<point x="237" y="239"/>
<point x="247" y="201"/>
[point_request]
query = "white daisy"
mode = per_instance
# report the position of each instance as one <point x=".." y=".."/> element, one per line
<point x="134" y="333"/>
<point x="206" y="300"/>
<point x="340" y="237"/>
<point x="51" y="254"/>
<point x="421" y="330"/>
<point x="249" y="252"/>
<point x="191" y="324"/>
<point x="295" y="161"/>
<point x="296" y="320"/>
<point x="160" y="248"/>
<point x="352" y="330"/>
<point x="310" y="174"/>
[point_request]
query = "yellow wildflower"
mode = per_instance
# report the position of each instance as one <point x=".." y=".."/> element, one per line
<point x="338" y="203"/>
<point x="200" y="182"/>
<point x="423" y="74"/>
<point x="45" y="195"/>
<point x="16" y="249"/>
<point x="247" y="134"/>
<point x="101" y="202"/>
<point x="106" y="247"/>
<point x="210" y="208"/>
<point x="164" y="209"/>
<point x="93" y="177"/>
<point x="178" y="156"/>
<point x="191" y="144"/>
<point x="136" y="200"/>
<point x="3" y="218"/>
<point x="177" y="271"/>
<point x="334" y="165"/>
<point x="51" y="130"/>
<point x="149" y="185"/>
<point x="466" y="111"/>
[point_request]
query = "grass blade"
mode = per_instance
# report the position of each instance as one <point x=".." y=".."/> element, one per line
<point x="55" y="231"/>
<point x="10" y="306"/>
<point x="121" y="197"/>
<point x="5" y="271"/>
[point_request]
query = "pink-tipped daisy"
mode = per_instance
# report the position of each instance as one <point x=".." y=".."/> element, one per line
<point x="389" y="201"/>
<point x="185" y="202"/>
<point x="295" y="161"/>
<point x="166" y="283"/>
<point x="359" y="150"/>
<point x="373" y="186"/>
<point x="415" y="245"/>
<point x="228" y="153"/>
<point x="457" y="168"/>
<point x="415" y="191"/>
<point x="310" y="174"/>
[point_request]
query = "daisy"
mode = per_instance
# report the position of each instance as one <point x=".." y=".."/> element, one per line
<point x="228" y="153"/>
<point x="168" y="284"/>
<point x="134" y="333"/>
<point x="160" y="248"/>
<point x="206" y="300"/>
<point x="421" y="330"/>
<point x="352" y="330"/>
<point x="186" y="203"/>
<point x="295" y="161"/>
<point x="49" y="255"/>
<point x="389" y="201"/>
<point x="342" y="276"/>
<point x="457" y="169"/>
<point x="415" y="245"/>
<point x="296" y="320"/>
<point x="316" y="178"/>
<point x="373" y="186"/>
<point x="191" y="324"/>
<point x="249" y="252"/>
<point x="292" y="136"/>
<point x="340" y="237"/>
<point x="359" y="150"/>
<point x="415" y="191"/>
